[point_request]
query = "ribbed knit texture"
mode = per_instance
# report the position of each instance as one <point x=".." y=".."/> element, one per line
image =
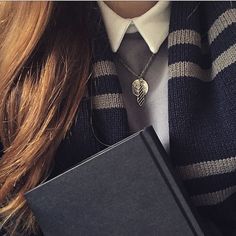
<point x="202" y="112"/>
<point x="202" y="107"/>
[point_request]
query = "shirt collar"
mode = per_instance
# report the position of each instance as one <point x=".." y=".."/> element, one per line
<point x="153" y="25"/>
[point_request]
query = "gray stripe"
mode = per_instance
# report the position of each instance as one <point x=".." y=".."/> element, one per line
<point x="184" y="37"/>
<point x="214" y="197"/>
<point x="103" y="68"/>
<point x="189" y="69"/>
<point x="224" y="60"/>
<point x="106" y="101"/>
<point x="207" y="168"/>
<point x="221" y="23"/>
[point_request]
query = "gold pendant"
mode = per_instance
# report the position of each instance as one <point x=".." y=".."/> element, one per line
<point x="140" y="89"/>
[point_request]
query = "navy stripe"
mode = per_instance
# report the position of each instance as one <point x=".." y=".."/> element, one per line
<point x="101" y="53"/>
<point x="218" y="47"/>
<point x="210" y="183"/>
<point x="184" y="15"/>
<point x="222" y="214"/>
<point x="217" y="8"/>
<point x="204" y="61"/>
<point x="106" y="84"/>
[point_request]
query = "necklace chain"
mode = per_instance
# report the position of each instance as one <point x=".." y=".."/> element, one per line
<point x="133" y="72"/>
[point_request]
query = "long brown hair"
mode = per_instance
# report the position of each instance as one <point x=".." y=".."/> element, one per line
<point x="44" y="67"/>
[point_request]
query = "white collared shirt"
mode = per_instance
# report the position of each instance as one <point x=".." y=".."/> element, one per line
<point x="152" y="25"/>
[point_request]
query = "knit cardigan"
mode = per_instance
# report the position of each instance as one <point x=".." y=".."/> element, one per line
<point x="201" y="107"/>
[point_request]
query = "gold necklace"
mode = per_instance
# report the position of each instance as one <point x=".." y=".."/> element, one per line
<point x="140" y="85"/>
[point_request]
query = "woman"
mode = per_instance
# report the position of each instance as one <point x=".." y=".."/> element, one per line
<point x="61" y="100"/>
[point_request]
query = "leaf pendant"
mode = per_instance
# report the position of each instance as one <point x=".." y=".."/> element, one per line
<point x="140" y="89"/>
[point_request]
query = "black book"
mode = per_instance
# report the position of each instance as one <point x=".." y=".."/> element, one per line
<point x="127" y="189"/>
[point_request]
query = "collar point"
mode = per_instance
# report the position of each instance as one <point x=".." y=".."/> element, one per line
<point x="114" y="49"/>
<point x="153" y="50"/>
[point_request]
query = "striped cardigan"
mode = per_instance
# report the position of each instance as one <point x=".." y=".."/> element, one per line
<point x="201" y="106"/>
